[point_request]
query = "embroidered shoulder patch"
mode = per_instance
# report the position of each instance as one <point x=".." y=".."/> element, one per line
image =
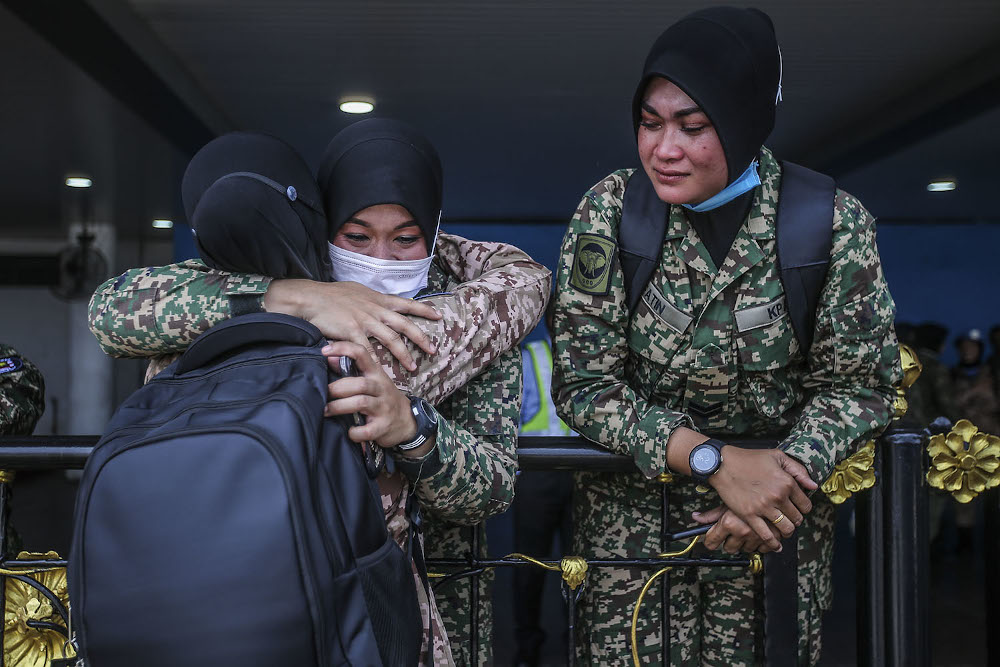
<point x="592" y="264"/>
<point x="10" y="364"/>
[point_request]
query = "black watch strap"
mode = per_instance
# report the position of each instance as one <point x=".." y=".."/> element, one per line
<point x="427" y="423"/>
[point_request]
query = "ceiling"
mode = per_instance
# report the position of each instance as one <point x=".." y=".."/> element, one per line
<point x="526" y="100"/>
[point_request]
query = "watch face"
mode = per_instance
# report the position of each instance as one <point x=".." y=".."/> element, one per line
<point x="425" y="409"/>
<point x="704" y="459"/>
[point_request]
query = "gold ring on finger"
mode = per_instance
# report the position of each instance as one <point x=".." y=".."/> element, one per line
<point x="781" y="517"/>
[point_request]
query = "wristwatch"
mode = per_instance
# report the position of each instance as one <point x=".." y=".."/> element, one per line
<point x="705" y="459"/>
<point x="427" y="424"/>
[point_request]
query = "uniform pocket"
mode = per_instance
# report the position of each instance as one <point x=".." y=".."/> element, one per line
<point x="656" y="348"/>
<point x="658" y="336"/>
<point x="764" y="355"/>
<point x="859" y="328"/>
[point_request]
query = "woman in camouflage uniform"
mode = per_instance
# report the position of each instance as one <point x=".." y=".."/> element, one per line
<point x="382" y="191"/>
<point x="710" y="347"/>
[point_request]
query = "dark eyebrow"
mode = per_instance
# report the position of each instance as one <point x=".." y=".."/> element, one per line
<point x="402" y="225"/>
<point x="680" y="113"/>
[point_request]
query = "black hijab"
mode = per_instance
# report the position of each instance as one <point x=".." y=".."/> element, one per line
<point x="726" y="59"/>
<point x="381" y="161"/>
<point x="255" y="208"/>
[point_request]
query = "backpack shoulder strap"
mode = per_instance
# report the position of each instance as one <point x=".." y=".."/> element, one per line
<point x="805" y="238"/>
<point x="640" y="235"/>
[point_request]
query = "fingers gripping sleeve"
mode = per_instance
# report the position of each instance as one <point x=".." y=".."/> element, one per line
<point x="502" y="297"/>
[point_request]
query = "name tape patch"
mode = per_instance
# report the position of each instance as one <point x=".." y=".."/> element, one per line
<point x="592" y="264"/>
<point x="10" y="364"/>
<point x="760" y="316"/>
<point x="665" y="311"/>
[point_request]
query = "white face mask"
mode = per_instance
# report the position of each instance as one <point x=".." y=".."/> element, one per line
<point x="389" y="276"/>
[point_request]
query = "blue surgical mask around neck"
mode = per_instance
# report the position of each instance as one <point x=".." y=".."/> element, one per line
<point x="747" y="181"/>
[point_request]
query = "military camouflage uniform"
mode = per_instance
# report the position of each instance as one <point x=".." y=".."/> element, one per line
<point x="22" y="393"/>
<point x="707" y="347"/>
<point x="491" y="295"/>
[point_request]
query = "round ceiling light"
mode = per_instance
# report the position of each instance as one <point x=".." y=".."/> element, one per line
<point x="941" y="186"/>
<point x="356" y="104"/>
<point x="78" y="182"/>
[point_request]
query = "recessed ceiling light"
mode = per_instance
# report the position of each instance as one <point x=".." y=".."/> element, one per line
<point x="941" y="186"/>
<point x="356" y="104"/>
<point x="163" y="224"/>
<point x="78" y="182"/>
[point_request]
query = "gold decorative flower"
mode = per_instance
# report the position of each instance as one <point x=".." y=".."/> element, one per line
<point x="853" y="474"/>
<point x="24" y="646"/>
<point x="911" y="371"/>
<point x="964" y="462"/>
<point x="574" y="571"/>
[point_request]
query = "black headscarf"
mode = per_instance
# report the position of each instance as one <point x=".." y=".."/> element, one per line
<point x="726" y="59"/>
<point x="255" y="208"/>
<point x="381" y="161"/>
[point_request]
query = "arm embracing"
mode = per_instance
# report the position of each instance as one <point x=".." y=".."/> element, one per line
<point x="469" y="475"/>
<point x="502" y="296"/>
<point x="161" y="310"/>
<point x="854" y="359"/>
<point x="590" y="346"/>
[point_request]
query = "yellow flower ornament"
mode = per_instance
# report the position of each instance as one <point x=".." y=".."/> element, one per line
<point x="853" y="474"/>
<point x="964" y="462"/>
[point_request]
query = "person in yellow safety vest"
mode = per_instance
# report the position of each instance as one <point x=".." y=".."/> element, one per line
<point x="542" y="502"/>
<point x="538" y="414"/>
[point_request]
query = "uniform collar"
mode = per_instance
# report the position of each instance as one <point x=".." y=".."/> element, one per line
<point x="761" y="222"/>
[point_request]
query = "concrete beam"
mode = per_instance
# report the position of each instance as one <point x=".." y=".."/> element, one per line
<point x="113" y="45"/>
<point x="943" y="100"/>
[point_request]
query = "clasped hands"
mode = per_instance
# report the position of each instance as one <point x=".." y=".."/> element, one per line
<point x="763" y="493"/>
<point x="764" y="496"/>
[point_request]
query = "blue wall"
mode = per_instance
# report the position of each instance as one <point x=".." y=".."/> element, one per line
<point x="948" y="273"/>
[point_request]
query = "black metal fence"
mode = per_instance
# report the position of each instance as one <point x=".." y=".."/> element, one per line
<point x="892" y="546"/>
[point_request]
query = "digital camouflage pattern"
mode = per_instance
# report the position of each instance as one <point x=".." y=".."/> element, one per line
<point x="22" y="393"/>
<point x="627" y="380"/>
<point x="491" y="295"/>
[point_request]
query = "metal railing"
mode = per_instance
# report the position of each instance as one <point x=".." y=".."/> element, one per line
<point x="892" y="543"/>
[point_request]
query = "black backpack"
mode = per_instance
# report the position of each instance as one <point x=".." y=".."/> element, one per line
<point x="221" y="520"/>
<point x="804" y="235"/>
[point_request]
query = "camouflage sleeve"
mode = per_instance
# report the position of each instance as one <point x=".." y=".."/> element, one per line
<point x="22" y="393"/>
<point x="590" y="343"/>
<point x="854" y="359"/>
<point x="502" y="295"/>
<point x="161" y="310"/>
<point x="469" y="475"/>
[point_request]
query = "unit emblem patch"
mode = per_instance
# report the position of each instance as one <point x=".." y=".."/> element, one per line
<point x="592" y="264"/>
